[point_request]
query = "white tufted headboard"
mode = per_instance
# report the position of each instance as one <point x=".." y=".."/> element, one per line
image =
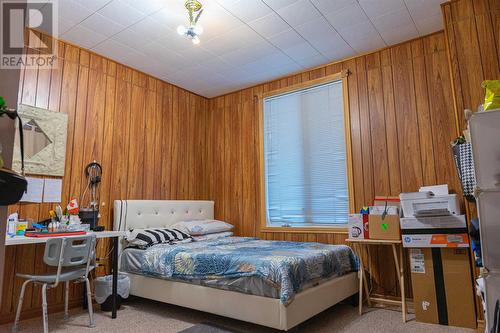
<point x="130" y="214"/>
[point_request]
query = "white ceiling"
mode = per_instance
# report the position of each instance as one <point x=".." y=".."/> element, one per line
<point x="245" y="41"/>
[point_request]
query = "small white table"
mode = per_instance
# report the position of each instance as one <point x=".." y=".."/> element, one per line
<point x="114" y="235"/>
<point x="358" y="245"/>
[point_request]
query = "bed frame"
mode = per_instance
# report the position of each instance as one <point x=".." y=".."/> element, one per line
<point x="256" y="309"/>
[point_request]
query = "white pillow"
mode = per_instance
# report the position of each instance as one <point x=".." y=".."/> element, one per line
<point x="202" y="227"/>
<point x="212" y="236"/>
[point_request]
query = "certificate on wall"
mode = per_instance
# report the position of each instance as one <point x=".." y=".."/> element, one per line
<point x="52" y="190"/>
<point x="34" y="190"/>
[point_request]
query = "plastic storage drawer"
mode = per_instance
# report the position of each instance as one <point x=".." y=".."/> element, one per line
<point x="485" y="131"/>
<point x="488" y="205"/>
<point x="492" y="300"/>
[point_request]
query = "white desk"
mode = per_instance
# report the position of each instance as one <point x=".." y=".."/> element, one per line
<point x="114" y="235"/>
<point x="21" y="240"/>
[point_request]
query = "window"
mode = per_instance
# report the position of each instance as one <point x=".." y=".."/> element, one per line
<point x="305" y="158"/>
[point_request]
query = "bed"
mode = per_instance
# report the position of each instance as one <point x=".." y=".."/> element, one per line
<point x="241" y="296"/>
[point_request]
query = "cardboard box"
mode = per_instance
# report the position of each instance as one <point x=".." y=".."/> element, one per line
<point x="442" y="286"/>
<point x="436" y="240"/>
<point x="356" y="228"/>
<point x="391" y="201"/>
<point x="387" y="228"/>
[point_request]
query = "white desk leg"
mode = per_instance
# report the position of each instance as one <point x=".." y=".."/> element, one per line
<point x="402" y="267"/>
<point x="360" y="275"/>
<point x="398" y="262"/>
<point x="365" y="278"/>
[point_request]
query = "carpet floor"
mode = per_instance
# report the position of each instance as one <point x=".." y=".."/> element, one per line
<point x="141" y="315"/>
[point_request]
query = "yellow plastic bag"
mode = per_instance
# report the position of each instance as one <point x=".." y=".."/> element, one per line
<point x="492" y="97"/>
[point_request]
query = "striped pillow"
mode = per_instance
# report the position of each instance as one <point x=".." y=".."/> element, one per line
<point x="147" y="237"/>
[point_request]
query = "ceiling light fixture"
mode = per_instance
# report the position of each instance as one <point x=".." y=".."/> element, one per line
<point x="194" y="30"/>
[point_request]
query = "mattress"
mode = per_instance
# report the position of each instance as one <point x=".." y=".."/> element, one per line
<point x="248" y="265"/>
<point x="132" y="258"/>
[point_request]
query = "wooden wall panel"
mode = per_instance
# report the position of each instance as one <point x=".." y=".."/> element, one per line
<point x="472" y="29"/>
<point x="140" y="129"/>
<point x="399" y="139"/>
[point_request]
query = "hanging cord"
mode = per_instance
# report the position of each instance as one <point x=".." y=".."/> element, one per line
<point x="12" y="114"/>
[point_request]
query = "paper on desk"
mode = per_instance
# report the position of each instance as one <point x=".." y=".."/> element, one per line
<point x="436" y="189"/>
<point x="34" y="190"/>
<point x="52" y="190"/>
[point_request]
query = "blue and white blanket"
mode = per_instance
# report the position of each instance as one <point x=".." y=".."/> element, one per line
<point x="285" y="265"/>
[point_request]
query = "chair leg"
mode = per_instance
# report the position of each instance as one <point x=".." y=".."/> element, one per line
<point x="44" y="309"/>
<point x="89" y="301"/>
<point x="20" y="306"/>
<point x="66" y="296"/>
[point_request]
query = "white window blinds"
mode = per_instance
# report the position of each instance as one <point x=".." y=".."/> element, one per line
<point x="305" y="157"/>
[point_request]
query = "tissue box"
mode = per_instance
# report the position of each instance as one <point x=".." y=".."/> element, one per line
<point x="356" y="227"/>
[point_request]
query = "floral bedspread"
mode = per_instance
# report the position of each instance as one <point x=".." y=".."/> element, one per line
<point x="285" y="265"/>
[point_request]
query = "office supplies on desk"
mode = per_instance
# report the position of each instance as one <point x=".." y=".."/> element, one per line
<point x="54" y="233"/>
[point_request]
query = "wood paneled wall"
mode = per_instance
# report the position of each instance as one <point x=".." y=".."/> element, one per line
<point x="147" y="134"/>
<point x="472" y="30"/>
<point x="402" y="121"/>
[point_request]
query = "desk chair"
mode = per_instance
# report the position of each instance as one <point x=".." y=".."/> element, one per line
<point x="77" y="256"/>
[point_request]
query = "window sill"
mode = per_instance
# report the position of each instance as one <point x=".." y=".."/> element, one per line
<point x="315" y="230"/>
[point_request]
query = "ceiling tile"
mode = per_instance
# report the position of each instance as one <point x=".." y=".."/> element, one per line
<point x="399" y="34"/>
<point x="342" y="51"/>
<point x="92" y="5"/>
<point x="131" y="38"/>
<point x="286" y="39"/>
<point x="301" y="51"/>
<point x="102" y="25"/>
<point x="173" y="16"/>
<point x="367" y="44"/>
<point x="430" y="24"/>
<point x="84" y="37"/>
<point x="423" y="9"/>
<point x="248" y="53"/>
<point x="379" y="7"/>
<point x="248" y="10"/>
<point x="394" y="19"/>
<point x="72" y="11"/>
<point x="312" y="61"/>
<point x="278" y="4"/>
<point x="121" y="13"/>
<point x="269" y="25"/>
<point x="216" y="20"/>
<point x="347" y="16"/>
<point x="196" y="55"/>
<point x="146" y="7"/>
<point x="299" y="13"/>
<point x="316" y="29"/>
<point x="114" y="50"/>
<point x="326" y="6"/>
<point x="152" y="30"/>
<point x="176" y="42"/>
<point x="159" y="52"/>
<point x="364" y="30"/>
<point x="63" y="26"/>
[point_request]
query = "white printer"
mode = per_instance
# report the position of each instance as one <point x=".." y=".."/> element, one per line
<point x="425" y="204"/>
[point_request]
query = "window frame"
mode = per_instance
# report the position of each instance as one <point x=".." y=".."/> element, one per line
<point x="264" y="227"/>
